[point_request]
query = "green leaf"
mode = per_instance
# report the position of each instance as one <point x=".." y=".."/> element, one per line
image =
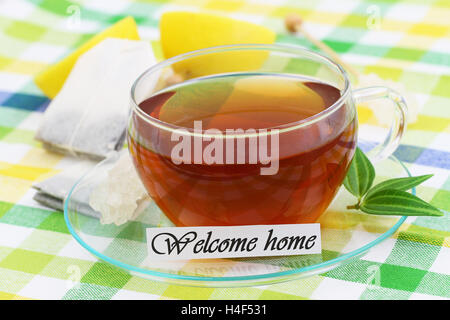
<point x="360" y="175"/>
<point x="402" y="184"/>
<point x="398" y="203"/>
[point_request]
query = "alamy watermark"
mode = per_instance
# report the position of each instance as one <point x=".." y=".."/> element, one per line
<point x="74" y="278"/>
<point x="374" y="20"/>
<point x="235" y="146"/>
<point x="374" y="280"/>
<point x="73" y="21"/>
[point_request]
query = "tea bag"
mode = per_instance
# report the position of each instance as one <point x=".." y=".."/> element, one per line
<point x="52" y="191"/>
<point x="89" y="115"/>
<point x="114" y="195"/>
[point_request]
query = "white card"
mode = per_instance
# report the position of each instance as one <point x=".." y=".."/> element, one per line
<point x="179" y="243"/>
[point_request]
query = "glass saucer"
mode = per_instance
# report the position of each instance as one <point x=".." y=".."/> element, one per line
<point x="346" y="235"/>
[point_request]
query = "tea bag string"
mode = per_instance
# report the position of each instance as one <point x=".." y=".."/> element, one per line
<point x="83" y="118"/>
<point x="70" y="147"/>
<point x="87" y="110"/>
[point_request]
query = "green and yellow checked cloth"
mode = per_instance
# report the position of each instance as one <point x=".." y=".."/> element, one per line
<point x="408" y="42"/>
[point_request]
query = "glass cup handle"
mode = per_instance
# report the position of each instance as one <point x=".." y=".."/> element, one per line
<point x="398" y="125"/>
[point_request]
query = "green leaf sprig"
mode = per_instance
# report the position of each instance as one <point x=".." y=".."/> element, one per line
<point x="389" y="197"/>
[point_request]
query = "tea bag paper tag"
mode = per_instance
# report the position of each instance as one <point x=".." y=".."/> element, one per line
<point x="180" y="243"/>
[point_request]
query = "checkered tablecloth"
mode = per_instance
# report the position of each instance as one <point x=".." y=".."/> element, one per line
<point x="407" y="41"/>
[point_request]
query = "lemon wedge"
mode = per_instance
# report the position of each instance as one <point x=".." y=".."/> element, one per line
<point x="269" y="91"/>
<point x="51" y="80"/>
<point x="182" y="32"/>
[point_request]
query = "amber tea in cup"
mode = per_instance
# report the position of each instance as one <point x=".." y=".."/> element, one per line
<point x="305" y="124"/>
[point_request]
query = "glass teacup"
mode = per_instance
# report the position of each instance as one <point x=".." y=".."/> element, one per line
<point x="248" y="134"/>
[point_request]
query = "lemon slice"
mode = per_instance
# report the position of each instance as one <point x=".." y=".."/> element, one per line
<point x="51" y="80"/>
<point x="182" y="32"/>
